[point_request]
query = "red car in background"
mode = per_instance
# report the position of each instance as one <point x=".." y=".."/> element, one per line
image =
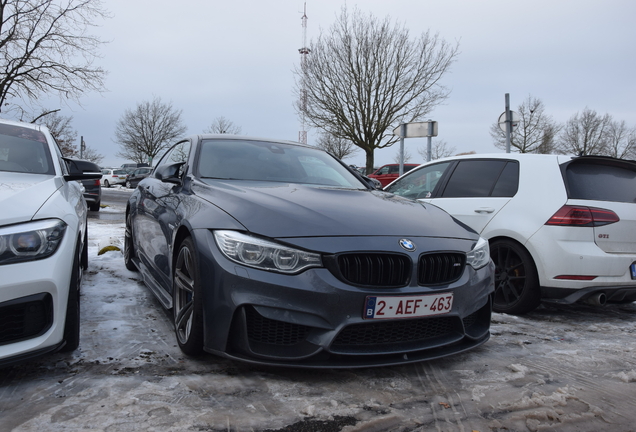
<point x="390" y="172"/>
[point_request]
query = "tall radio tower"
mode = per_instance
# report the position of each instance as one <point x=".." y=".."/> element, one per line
<point x="302" y="135"/>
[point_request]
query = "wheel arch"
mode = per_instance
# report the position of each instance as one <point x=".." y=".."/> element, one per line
<point x="517" y="242"/>
<point x="182" y="233"/>
<point x="529" y="299"/>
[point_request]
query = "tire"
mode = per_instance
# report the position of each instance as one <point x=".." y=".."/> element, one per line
<point x="106" y="183"/>
<point x="128" y="184"/>
<point x="516" y="282"/>
<point x="129" y="247"/>
<point x="95" y="206"/>
<point x="187" y="302"/>
<point x="72" y="322"/>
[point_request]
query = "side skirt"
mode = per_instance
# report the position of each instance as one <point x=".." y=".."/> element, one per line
<point x="151" y="283"/>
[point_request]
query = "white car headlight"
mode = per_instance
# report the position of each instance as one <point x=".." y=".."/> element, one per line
<point x="30" y="241"/>
<point x="480" y="255"/>
<point x="265" y="255"/>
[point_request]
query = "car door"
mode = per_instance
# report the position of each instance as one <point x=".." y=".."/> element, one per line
<point x="475" y="190"/>
<point x="157" y="216"/>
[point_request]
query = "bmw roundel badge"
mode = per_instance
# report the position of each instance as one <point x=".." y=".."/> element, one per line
<point x="407" y="245"/>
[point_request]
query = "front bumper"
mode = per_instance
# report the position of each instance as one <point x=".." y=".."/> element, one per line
<point x="33" y="301"/>
<point x="314" y="319"/>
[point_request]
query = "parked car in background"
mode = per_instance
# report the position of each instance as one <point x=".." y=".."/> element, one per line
<point x="136" y="176"/>
<point x="127" y="166"/>
<point x="387" y="173"/>
<point x="92" y="187"/>
<point x="43" y="232"/>
<point x="113" y="176"/>
<point x="561" y="228"/>
<point x="259" y="249"/>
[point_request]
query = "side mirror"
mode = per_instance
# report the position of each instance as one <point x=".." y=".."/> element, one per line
<point x="81" y="170"/>
<point x="169" y="173"/>
<point x="374" y="183"/>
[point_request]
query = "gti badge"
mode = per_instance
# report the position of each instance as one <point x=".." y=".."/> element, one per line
<point x="407" y="245"/>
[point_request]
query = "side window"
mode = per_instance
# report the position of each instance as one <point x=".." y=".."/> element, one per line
<point x="508" y="181"/>
<point x="58" y="153"/>
<point x="383" y="170"/>
<point x="394" y="169"/>
<point x="473" y="178"/>
<point x="177" y="154"/>
<point x="419" y="183"/>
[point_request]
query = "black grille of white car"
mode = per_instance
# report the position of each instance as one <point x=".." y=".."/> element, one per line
<point x="440" y="268"/>
<point x="25" y="318"/>
<point x="375" y="269"/>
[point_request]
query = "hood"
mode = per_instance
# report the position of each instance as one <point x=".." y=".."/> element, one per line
<point x="22" y="195"/>
<point x="283" y="210"/>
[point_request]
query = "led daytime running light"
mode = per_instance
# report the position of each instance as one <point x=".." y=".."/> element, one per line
<point x="265" y="255"/>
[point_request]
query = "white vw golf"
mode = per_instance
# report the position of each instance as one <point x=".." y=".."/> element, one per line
<point x="561" y="229"/>
<point x="42" y="244"/>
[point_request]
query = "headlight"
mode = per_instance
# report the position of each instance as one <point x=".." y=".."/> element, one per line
<point x="480" y="255"/>
<point x="265" y="255"/>
<point x="30" y="241"/>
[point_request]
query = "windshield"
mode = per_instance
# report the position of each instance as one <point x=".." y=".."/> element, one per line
<point x="24" y="150"/>
<point x="268" y="161"/>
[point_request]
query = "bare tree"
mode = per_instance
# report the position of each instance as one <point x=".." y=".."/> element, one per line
<point x="536" y="132"/>
<point x="439" y="149"/>
<point x="91" y="154"/>
<point x="221" y="125"/>
<point x="144" y="132"/>
<point x="407" y="156"/>
<point x="365" y="76"/>
<point x="45" y="49"/>
<point x="61" y="129"/>
<point x="549" y="140"/>
<point x="621" y="141"/>
<point x="587" y="133"/>
<point x="339" y="147"/>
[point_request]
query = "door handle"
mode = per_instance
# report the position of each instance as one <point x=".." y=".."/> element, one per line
<point x="483" y="210"/>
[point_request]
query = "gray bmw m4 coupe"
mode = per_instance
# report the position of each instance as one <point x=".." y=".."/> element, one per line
<point x="277" y="253"/>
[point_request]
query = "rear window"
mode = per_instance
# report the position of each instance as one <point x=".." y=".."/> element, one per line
<point x="601" y="182"/>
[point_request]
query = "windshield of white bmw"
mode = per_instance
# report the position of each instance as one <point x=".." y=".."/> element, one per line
<point x="272" y="161"/>
<point x="24" y="150"/>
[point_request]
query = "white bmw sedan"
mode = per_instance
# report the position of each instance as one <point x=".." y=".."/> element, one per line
<point x="43" y="233"/>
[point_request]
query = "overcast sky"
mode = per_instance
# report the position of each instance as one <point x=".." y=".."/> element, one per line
<point x="213" y="58"/>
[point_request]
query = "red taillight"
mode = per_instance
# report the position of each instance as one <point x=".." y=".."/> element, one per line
<point x="582" y="217"/>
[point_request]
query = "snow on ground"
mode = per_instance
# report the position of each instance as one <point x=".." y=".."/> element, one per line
<point x="571" y="369"/>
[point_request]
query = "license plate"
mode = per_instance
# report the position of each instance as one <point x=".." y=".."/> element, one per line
<point x="407" y="306"/>
<point x="633" y="269"/>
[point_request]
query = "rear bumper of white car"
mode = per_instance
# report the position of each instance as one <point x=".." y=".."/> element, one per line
<point x="33" y="301"/>
<point x="571" y="267"/>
